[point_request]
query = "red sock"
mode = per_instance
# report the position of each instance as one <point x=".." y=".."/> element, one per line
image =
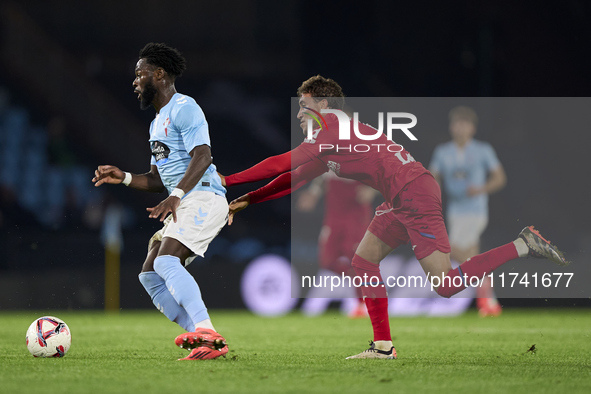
<point x="485" y="290"/>
<point x="479" y="266"/>
<point x="376" y="298"/>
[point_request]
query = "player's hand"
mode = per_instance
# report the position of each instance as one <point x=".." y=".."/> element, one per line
<point x="223" y="178"/>
<point x="472" y="191"/>
<point x="306" y="201"/>
<point x="169" y="205"/>
<point x="108" y="174"/>
<point x="236" y="206"/>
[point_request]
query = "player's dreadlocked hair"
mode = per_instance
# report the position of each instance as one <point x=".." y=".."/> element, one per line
<point x="321" y="88"/>
<point x="161" y="55"/>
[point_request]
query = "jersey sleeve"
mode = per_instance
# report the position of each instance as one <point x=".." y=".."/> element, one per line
<point x="320" y="143"/>
<point x="269" y="167"/>
<point x="288" y="182"/>
<point x="436" y="164"/>
<point x="491" y="160"/>
<point x="190" y="121"/>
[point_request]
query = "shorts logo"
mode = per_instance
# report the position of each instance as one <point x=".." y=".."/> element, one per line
<point x="160" y="152"/>
<point x="180" y="231"/>
<point x="198" y="217"/>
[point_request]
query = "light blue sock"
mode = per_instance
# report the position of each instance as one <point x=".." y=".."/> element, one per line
<point x="182" y="286"/>
<point x="164" y="301"/>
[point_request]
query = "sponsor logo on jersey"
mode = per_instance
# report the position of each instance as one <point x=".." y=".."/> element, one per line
<point x="160" y="152"/>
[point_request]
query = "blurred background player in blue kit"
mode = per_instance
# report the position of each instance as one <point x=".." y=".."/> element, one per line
<point x="469" y="171"/>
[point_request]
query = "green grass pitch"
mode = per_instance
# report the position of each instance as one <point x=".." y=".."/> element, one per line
<point x="134" y="352"/>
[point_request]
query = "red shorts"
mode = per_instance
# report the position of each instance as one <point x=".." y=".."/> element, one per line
<point x="414" y="215"/>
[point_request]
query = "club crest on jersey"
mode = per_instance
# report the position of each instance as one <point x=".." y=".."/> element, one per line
<point x="165" y="124"/>
<point x="160" y="152"/>
<point x="334" y="167"/>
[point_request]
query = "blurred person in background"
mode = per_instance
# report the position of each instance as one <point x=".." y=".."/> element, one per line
<point x="347" y="213"/>
<point x="468" y="171"/>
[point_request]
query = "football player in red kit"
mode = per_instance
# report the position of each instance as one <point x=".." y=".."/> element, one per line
<point x="411" y="212"/>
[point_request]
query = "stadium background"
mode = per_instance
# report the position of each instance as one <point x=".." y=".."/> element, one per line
<point x="66" y="105"/>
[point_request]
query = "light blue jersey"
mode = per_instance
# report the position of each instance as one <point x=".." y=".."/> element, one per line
<point x="461" y="168"/>
<point x="177" y="129"/>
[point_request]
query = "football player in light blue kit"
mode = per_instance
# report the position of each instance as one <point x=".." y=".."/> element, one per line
<point x="196" y="205"/>
<point x="469" y="171"/>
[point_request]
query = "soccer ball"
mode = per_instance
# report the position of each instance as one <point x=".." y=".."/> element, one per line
<point x="48" y="336"/>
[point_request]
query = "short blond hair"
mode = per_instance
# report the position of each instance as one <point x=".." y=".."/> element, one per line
<point x="463" y="113"/>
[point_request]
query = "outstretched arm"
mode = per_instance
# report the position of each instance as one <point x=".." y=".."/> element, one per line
<point x="279" y="187"/>
<point x="148" y="182"/>
<point x="268" y="168"/>
<point x="287" y="183"/>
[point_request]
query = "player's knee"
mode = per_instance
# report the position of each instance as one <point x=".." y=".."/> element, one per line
<point x="148" y="265"/>
<point x="149" y="262"/>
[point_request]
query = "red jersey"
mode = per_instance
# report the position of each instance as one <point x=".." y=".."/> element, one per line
<point x="341" y="200"/>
